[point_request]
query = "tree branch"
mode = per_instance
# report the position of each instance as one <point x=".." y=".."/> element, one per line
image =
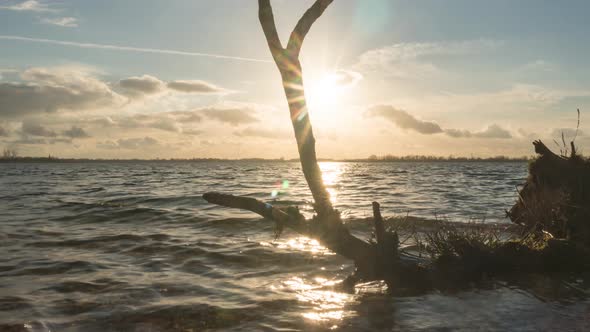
<point x="331" y="234"/>
<point x="327" y="227"/>
<point x="267" y="21"/>
<point x="378" y="222"/>
<point x="295" y="222"/>
<point x="291" y="74"/>
<point x="304" y="24"/>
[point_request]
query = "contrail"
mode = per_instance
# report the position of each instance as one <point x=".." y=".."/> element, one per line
<point x="128" y="48"/>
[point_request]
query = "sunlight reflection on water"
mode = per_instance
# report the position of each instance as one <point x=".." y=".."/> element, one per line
<point x="327" y="305"/>
<point x="331" y="174"/>
<point x="134" y="247"/>
<point x="300" y="243"/>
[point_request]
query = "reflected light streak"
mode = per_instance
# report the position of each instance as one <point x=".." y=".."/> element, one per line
<point x="328" y="305"/>
<point x="331" y="174"/>
<point x="302" y="243"/>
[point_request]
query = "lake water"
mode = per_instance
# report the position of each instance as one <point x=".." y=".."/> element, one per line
<point x="132" y="246"/>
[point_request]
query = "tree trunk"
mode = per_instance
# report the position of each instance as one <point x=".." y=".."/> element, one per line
<point x="327" y="226"/>
<point x="287" y="61"/>
<point x="305" y="139"/>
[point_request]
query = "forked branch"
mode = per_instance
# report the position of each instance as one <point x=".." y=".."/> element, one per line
<point x="287" y="61"/>
<point x="327" y="226"/>
<point x="267" y="21"/>
<point x="304" y="24"/>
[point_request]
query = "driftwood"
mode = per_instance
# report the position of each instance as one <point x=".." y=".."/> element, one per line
<point x="459" y="256"/>
<point x="333" y="234"/>
<point x="327" y="226"/>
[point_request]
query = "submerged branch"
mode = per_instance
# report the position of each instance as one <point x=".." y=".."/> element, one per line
<point x="331" y="233"/>
<point x="293" y="221"/>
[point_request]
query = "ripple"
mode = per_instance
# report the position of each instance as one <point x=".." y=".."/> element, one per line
<point x="54" y="268"/>
<point x="133" y="246"/>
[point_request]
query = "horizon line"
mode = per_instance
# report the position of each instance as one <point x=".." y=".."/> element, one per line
<point x="129" y="48"/>
<point x="400" y="158"/>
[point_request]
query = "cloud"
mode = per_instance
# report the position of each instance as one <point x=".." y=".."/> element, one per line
<point x="166" y="124"/>
<point x="493" y="131"/>
<point x="187" y="116"/>
<point x="207" y="143"/>
<point x="262" y="133"/>
<point x="129" y="143"/>
<point x="346" y="78"/>
<point x="77" y="88"/>
<point x="137" y="143"/>
<point x="30" y="141"/>
<point x="404" y="120"/>
<point x="59" y="140"/>
<point x="195" y="87"/>
<point x="35" y="140"/>
<point x="407" y="121"/>
<point x="458" y="133"/>
<point x="167" y="121"/>
<point x="53" y="89"/>
<point x="539" y="66"/>
<point x="66" y="22"/>
<point x="567" y="133"/>
<point x="35" y="129"/>
<point x="106" y="121"/>
<point x="405" y="60"/>
<point x="162" y="121"/>
<point x="410" y="51"/>
<point x="175" y="122"/>
<point x="29" y="6"/>
<point x="183" y="122"/>
<point x="192" y="132"/>
<point x="76" y="132"/>
<point x="141" y="85"/>
<point x="233" y="115"/>
<point x="34" y="6"/>
<point x="149" y="85"/>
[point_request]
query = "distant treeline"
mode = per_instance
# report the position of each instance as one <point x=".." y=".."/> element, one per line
<point x="51" y="159"/>
<point x="420" y="158"/>
<point x="388" y="158"/>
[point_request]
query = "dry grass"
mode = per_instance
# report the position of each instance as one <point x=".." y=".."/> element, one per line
<point x="556" y="199"/>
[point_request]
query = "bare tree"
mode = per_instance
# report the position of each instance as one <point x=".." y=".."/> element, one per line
<point x="459" y="255"/>
<point x="9" y="154"/>
<point x="372" y="260"/>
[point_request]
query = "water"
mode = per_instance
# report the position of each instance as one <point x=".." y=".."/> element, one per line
<point x="134" y="247"/>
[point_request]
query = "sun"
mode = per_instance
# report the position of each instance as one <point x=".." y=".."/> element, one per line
<point x="325" y="91"/>
<point x="331" y="88"/>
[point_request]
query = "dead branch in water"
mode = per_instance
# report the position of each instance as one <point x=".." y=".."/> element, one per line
<point x="327" y="226"/>
<point x="457" y="253"/>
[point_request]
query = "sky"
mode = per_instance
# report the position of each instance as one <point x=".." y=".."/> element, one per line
<point x="195" y="78"/>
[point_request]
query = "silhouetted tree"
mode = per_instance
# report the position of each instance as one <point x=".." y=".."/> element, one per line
<point x="327" y="226"/>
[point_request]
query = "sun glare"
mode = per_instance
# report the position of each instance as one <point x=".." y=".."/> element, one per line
<point x="331" y="88"/>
